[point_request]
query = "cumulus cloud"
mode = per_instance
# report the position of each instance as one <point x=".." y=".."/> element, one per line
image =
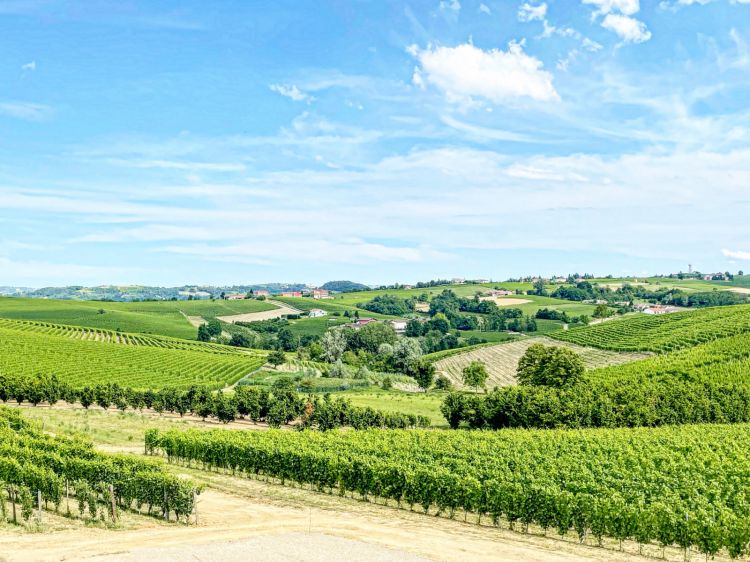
<point x="485" y="9"/>
<point x="529" y="12"/>
<point x="466" y="72"/>
<point x="629" y="29"/>
<point x="603" y="7"/>
<point x="292" y="92"/>
<point x="736" y="254"/>
<point x="29" y="66"/>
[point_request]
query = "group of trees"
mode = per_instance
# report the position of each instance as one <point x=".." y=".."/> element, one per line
<point x="561" y="316"/>
<point x="391" y="305"/>
<point x="282" y="405"/>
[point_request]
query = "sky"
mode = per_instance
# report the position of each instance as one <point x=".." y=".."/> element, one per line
<point x="223" y="142"/>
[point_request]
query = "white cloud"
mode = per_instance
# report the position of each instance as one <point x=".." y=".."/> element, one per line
<point x="485" y="9"/>
<point x="603" y="7"/>
<point x="529" y="12"/>
<point x="629" y="29"/>
<point x="450" y="6"/>
<point x="26" y="110"/>
<point x="291" y="92"/>
<point x="466" y="72"/>
<point x="736" y="254"/>
<point x="29" y="66"/>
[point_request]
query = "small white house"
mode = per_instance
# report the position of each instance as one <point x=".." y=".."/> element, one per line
<point x="317" y="313"/>
<point x="399" y="326"/>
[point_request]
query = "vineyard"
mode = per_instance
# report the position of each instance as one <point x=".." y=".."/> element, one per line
<point x="663" y="333"/>
<point x="81" y="356"/>
<point x="501" y="360"/>
<point x="724" y="360"/>
<point x="35" y="466"/>
<point x="683" y="486"/>
<point x="157" y="317"/>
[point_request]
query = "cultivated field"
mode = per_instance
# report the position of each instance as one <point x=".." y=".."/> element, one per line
<point x="662" y="333"/>
<point x="88" y="357"/>
<point x="279" y="309"/>
<point x="501" y="360"/>
<point x="168" y="318"/>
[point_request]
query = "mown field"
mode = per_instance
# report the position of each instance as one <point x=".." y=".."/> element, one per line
<point x="662" y="333"/>
<point x="88" y="357"/>
<point x="501" y="360"/>
<point x="167" y="318"/>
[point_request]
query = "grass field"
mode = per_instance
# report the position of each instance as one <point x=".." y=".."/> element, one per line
<point x="417" y="403"/>
<point x="501" y="360"/>
<point x="166" y="318"/>
<point x="138" y="361"/>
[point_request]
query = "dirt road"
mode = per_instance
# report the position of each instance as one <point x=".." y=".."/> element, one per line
<point x="282" y="310"/>
<point x="243" y="519"/>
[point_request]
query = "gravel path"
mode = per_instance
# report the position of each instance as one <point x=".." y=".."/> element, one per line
<point x="272" y="548"/>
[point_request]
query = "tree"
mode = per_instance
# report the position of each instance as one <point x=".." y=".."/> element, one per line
<point x="424" y="373"/>
<point x="334" y="345"/>
<point x="539" y="288"/>
<point x="414" y="329"/>
<point x="601" y="311"/>
<point x="214" y="328"/>
<point x="203" y="333"/>
<point x="287" y="340"/>
<point x="371" y="336"/>
<point x="276" y="358"/>
<point x="239" y="340"/>
<point x="440" y="323"/>
<point x="549" y="366"/>
<point x="475" y="374"/>
<point x="405" y="353"/>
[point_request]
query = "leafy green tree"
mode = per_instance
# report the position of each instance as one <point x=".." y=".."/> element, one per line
<point x="602" y="311"/>
<point x="276" y="358"/>
<point x="452" y="409"/>
<point x="240" y="340"/>
<point x="214" y="328"/>
<point x="203" y="333"/>
<point x="475" y="374"/>
<point x="549" y="366"/>
<point x="333" y="343"/>
<point x="424" y="373"/>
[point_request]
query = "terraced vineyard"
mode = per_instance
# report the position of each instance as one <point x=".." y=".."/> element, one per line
<point x="662" y="333"/>
<point x="89" y="356"/>
<point x="502" y="359"/>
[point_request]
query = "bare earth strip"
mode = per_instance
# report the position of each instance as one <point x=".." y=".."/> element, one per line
<point x="242" y="519"/>
<point x="282" y="310"/>
<point x="502" y="359"/>
<point x="506" y="301"/>
<point x="742" y="290"/>
<point x="195" y="321"/>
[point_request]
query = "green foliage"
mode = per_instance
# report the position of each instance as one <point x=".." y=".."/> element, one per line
<point x="82" y="357"/>
<point x="667" y="332"/>
<point x="475" y="374"/>
<point x="549" y="366"/>
<point x="390" y="305"/>
<point x="602" y="482"/>
<point x="276" y="358"/>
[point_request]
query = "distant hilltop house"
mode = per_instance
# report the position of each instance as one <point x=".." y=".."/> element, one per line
<point x="657" y="308"/>
<point x="559" y="280"/>
<point x="398" y="325"/>
<point x="594" y="301"/>
<point x="458" y="280"/>
<point x="317" y="313"/>
<point x="291" y="294"/>
<point x="491" y="295"/>
<point x="235" y="297"/>
<point x="321" y="294"/>
<point x="262" y="293"/>
<point x="407" y="287"/>
<point x="363" y="322"/>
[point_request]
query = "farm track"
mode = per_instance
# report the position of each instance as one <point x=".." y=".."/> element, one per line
<point x="501" y="360"/>
<point x="238" y="516"/>
<point x="282" y="310"/>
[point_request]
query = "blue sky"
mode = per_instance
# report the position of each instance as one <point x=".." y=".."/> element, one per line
<point x="237" y="142"/>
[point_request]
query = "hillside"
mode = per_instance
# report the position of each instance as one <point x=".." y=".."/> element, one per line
<point x="88" y="357"/>
<point x="167" y="318"/>
<point x="343" y="286"/>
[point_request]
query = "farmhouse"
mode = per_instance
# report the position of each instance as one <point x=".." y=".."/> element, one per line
<point x="321" y="294"/>
<point x="261" y="293"/>
<point x="291" y="294"/>
<point x="234" y="297"/>
<point x="317" y="313"/>
<point x="458" y="281"/>
<point x="363" y="322"/>
<point x="398" y="325"/>
<point x="660" y="309"/>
